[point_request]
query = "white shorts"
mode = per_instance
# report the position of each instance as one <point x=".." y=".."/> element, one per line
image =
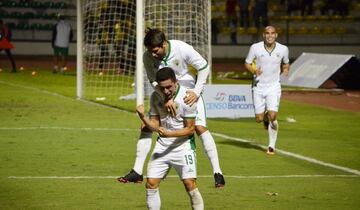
<point x="201" y="114"/>
<point x="182" y="158"/>
<point x="267" y="97"/>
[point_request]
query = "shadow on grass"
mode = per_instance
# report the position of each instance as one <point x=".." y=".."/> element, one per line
<point x="246" y="145"/>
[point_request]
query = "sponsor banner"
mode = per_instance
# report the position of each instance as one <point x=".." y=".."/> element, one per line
<point x="228" y="101"/>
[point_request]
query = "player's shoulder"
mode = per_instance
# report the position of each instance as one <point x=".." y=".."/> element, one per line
<point x="281" y="46"/>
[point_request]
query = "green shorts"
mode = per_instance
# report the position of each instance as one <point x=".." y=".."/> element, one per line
<point x="61" y="51"/>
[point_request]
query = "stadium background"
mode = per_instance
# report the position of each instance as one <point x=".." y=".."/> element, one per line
<point x="42" y="156"/>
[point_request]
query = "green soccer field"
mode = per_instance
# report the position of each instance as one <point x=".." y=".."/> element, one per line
<point x="57" y="152"/>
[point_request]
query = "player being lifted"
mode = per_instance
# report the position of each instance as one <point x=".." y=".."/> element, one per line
<point x="175" y="143"/>
<point x="272" y="59"/>
<point x="179" y="56"/>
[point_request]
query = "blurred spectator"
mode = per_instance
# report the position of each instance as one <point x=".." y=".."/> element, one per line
<point x="261" y="13"/>
<point x="306" y="6"/>
<point x="5" y="38"/>
<point x="244" y="13"/>
<point x="342" y="7"/>
<point x="214" y="30"/>
<point x="328" y="7"/>
<point x="61" y="38"/>
<point x="103" y="40"/>
<point x="232" y="19"/>
<point x="292" y="6"/>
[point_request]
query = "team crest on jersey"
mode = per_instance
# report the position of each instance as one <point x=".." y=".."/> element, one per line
<point x="176" y="62"/>
<point x="278" y="55"/>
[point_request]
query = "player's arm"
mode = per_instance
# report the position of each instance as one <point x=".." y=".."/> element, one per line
<point x="153" y="123"/>
<point x="194" y="59"/>
<point x="188" y="130"/>
<point x="285" y="63"/>
<point x="249" y="63"/>
<point x="285" y="69"/>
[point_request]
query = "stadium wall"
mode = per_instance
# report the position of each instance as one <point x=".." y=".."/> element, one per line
<point x="218" y="51"/>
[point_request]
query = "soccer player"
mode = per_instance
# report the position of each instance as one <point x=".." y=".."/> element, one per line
<point x="61" y="38"/>
<point x="175" y="143"/>
<point x="272" y="59"/>
<point x="182" y="58"/>
<point x="5" y="44"/>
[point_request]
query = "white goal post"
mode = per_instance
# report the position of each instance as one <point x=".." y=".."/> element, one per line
<point x="110" y="43"/>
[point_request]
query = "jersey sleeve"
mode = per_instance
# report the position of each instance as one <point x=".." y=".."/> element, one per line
<point x="154" y="100"/>
<point x="251" y="55"/>
<point x="285" y="58"/>
<point x="149" y="67"/>
<point x="194" y="59"/>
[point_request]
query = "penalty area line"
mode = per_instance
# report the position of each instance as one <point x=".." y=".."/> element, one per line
<point x="290" y="154"/>
<point x="200" y="176"/>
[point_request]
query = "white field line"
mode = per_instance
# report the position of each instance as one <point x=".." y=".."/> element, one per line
<point x="308" y="159"/>
<point x="199" y="176"/>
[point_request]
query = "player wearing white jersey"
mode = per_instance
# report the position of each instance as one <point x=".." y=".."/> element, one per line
<point x="272" y="59"/>
<point x="175" y="143"/>
<point x="183" y="58"/>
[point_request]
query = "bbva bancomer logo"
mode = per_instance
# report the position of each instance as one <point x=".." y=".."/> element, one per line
<point x="229" y="102"/>
<point x="220" y="96"/>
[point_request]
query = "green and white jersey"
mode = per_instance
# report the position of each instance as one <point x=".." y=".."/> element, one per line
<point x="183" y="111"/>
<point x="190" y="67"/>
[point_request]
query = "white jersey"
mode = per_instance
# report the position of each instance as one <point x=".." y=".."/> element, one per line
<point x="268" y="62"/>
<point x="63" y="34"/>
<point x="183" y="111"/>
<point x="181" y="57"/>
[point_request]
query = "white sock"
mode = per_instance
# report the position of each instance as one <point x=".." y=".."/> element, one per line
<point x="273" y="133"/>
<point x="211" y="151"/>
<point x="153" y="199"/>
<point x="197" y="202"/>
<point x="142" y="149"/>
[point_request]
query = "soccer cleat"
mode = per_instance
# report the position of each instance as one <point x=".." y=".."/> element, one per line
<point x="270" y="151"/>
<point x="219" y="180"/>
<point x="132" y="176"/>
<point x="266" y="121"/>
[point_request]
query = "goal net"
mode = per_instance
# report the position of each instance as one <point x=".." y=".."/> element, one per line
<point x="108" y="60"/>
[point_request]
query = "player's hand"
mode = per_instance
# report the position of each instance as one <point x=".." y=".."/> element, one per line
<point x="162" y="132"/>
<point x="190" y="97"/>
<point x="140" y="111"/>
<point x="171" y="107"/>
<point x="258" y="72"/>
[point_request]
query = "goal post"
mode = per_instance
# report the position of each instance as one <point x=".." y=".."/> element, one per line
<point x="110" y="44"/>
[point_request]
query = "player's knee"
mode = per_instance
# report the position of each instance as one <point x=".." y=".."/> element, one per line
<point x="151" y="184"/>
<point x="272" y="116"/>
<point x="189" y="184"/>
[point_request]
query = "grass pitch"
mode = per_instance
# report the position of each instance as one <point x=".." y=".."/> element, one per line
<point x="57" y="152"/>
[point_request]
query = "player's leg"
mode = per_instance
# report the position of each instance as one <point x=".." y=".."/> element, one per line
<point x="208" y="143"/>
<point x="259" y="105"/>
<point x="56" y="60"/>
<point x="196" y="199"/>
<point x="153" y="200"/>
<point x="9" y="55"/>
<point x="158" y="168"/>
<point x="184" y="162"/>
<point x="142" y="149"/>
<point x="272" y="103"/>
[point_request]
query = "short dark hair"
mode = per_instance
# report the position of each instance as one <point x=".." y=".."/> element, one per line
<point x="165" y="74"/>
<point x="154" y="38"/>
